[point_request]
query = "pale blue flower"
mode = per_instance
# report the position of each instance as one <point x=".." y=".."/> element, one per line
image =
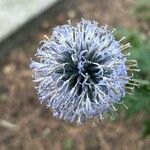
<point x="82" y="71"/>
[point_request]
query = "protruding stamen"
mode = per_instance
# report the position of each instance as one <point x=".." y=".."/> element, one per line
<point x="74" y="35"/>
<point x="128" y="54"/>
<point x="133" y="84"/>
<point x="132" y="66"/>
<point x="123" y="38"/>
<point x="131" y="61"/>
<point x="69" y="22"/>
<point x="129" y="88"/>
<point x="136" y="70"/>
<point x="123" y="47"/>
<point x="46" y="37"/>
<point x="129" y="93"/>
<point x="113" y="30"/>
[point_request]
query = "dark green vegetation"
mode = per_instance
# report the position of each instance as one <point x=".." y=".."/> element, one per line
<point x="140" y="100"/>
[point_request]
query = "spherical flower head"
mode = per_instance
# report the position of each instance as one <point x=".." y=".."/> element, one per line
<point x="82" y="71"/>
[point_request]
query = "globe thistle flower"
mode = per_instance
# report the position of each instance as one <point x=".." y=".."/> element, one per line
<point x="83" y="71"/>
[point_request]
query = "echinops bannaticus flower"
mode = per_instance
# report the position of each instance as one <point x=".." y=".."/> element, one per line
<point x="83" y="71"/>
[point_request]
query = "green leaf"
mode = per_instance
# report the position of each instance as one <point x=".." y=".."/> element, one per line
<point x="139" y="101"/>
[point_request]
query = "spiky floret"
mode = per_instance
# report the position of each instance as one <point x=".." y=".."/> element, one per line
<point x="82" y="71"/>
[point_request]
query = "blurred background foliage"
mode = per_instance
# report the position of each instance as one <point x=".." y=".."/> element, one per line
<point x="139" y="40"/>
<point x="142" y="10"/>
